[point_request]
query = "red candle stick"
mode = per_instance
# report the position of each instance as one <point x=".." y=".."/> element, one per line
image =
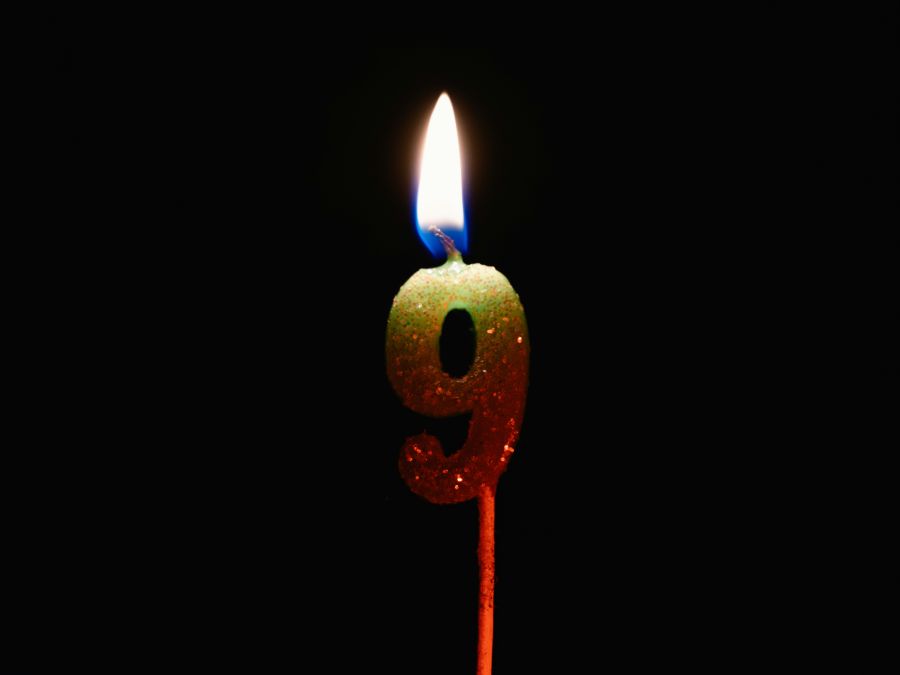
<point x="494" y="388"/>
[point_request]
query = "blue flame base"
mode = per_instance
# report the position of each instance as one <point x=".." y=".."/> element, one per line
<point x="433" y="244"/>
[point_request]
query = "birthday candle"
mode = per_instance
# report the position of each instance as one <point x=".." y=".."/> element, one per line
<point x="494" y="388"/>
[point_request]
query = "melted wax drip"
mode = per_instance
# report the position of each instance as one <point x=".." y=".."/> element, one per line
<point x="493" y="390"/>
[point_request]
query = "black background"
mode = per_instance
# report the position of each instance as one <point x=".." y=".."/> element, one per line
<point x="220" y="481"/>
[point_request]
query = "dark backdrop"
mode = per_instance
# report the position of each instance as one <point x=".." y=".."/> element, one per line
<point x="221" y="483"/>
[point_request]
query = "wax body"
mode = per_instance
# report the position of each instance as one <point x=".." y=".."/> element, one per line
<point x="493" y="390"/>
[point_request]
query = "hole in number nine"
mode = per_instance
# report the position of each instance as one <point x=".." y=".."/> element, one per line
<point x="457" y="343"/>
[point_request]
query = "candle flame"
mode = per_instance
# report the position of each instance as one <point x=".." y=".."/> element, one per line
<point x="440" y="201"/>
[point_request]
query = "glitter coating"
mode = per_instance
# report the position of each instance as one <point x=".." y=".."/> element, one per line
<point x="493" y="390"/>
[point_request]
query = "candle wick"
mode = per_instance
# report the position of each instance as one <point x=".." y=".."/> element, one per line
<point x="447" y="242"/>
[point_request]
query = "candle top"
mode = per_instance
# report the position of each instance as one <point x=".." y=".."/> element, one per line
<point x="439" y="203"/>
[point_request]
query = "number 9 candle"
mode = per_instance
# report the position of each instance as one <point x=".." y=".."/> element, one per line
<point x="494" y="388"/>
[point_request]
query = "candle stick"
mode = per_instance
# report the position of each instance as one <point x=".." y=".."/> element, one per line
<point x="494" y="388"/>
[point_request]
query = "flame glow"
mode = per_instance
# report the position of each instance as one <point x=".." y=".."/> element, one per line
<point x="440" y="201"/>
